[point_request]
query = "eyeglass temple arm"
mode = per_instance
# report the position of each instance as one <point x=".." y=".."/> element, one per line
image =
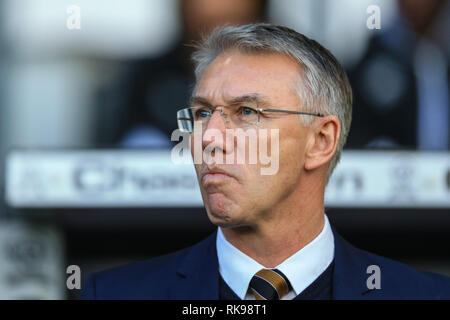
<point x="295" y="112"/>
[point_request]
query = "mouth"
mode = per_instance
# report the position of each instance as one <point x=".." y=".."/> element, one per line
<point x="215" y="175"/>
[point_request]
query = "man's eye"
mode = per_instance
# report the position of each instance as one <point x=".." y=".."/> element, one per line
<point x="246" y="111"/>
<point x="202" y="113"/>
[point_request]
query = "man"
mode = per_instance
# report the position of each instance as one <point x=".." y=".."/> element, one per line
<point x="273" y="240"/>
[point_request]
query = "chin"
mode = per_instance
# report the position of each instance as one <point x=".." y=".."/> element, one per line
<point x="218" y="216"/>
<point x="223" y="211"/>
<point x="220" y="213"/>
<point x="225" y="218"/>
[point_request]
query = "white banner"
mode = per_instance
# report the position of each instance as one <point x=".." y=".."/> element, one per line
<point x="118" y="178"/>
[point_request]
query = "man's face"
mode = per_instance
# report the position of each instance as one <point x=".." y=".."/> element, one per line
<point x="245" y="197"/>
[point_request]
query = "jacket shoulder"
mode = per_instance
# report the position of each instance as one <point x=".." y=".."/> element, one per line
<point x="409" y="282"/>
<point x="397" y="280"/>
<point x="149" y="279"/>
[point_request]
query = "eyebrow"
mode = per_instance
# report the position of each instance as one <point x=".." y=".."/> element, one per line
<point x="251" y="97"/>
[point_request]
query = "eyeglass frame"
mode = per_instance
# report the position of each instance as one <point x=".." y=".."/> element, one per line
<point x="258" y="109"/>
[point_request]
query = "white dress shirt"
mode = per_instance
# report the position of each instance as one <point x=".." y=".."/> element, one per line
<point x="302" y="268"/>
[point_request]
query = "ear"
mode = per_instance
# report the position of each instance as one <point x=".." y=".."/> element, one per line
<point x="322" y="141"/>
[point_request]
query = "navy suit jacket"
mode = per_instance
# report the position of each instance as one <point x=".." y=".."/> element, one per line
<point x="193" y="274"/>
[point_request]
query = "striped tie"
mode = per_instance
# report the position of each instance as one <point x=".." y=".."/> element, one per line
<point x="269" y="284"/>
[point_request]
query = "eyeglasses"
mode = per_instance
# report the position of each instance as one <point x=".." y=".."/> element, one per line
<point x="242" y="115"/>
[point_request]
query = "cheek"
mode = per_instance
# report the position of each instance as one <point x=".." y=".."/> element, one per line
<point x="284" y="144"/>
<point x="256" y="186"/>
<point x="290" y="154"/>
<point x="292" y="144"/>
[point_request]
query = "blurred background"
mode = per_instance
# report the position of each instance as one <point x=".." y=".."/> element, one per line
<point x="88" y="96"/>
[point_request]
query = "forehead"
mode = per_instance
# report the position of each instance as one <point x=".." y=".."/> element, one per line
<point x="234" y="74"/>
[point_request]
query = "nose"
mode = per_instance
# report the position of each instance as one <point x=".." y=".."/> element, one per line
<point x="215" y="131"/>
<point x="217" y="120"/>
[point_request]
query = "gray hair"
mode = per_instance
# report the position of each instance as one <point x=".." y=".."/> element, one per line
<point x="323" y="85"/>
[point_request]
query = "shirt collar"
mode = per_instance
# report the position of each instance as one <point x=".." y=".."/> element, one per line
<point x="302" y="268"/>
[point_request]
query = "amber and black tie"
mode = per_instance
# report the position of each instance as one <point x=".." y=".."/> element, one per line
<point x="269" y="284"/>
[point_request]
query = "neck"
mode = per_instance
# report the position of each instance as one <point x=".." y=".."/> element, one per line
<point x="291" y="226"/>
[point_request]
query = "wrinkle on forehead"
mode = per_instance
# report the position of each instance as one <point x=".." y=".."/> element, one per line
<point x="235" y="74"/>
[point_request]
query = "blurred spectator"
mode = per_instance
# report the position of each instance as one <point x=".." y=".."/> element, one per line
<point x="401" y="85"/>
<point x="147" y="98"/>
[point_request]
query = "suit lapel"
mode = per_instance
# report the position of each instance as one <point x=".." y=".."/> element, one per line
<point x="198" y="273"/>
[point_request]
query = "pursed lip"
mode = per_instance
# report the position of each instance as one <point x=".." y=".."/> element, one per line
<point x="216" y="170"/>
